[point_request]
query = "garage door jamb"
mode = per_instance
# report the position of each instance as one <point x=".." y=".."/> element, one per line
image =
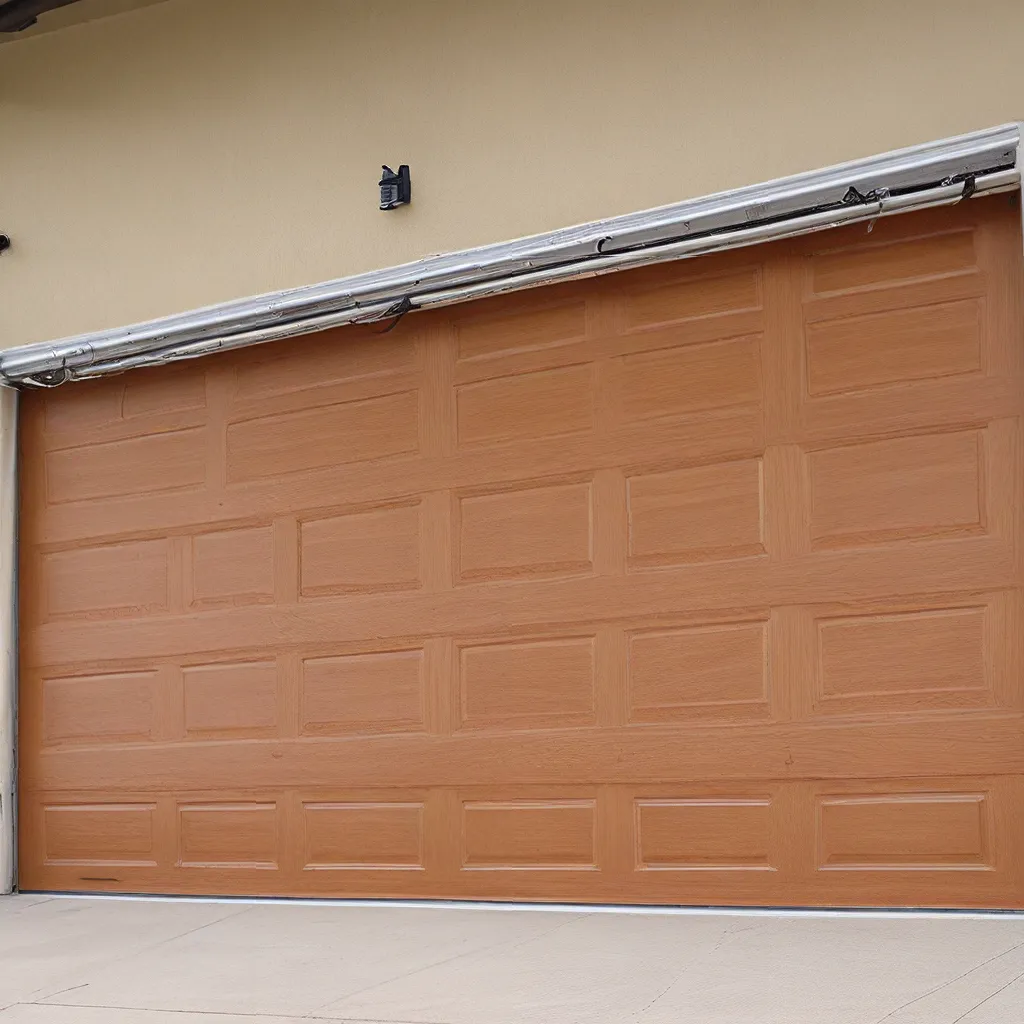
<point x="8" y="635"/>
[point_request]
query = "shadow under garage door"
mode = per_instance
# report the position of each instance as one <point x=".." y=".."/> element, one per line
<point x="694" y="584"/>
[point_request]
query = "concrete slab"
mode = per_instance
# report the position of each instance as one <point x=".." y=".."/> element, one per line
<point x="596" y="969"/>
<point x="51" y="944"/>
<point x="293" y="960"/>
<point x="805" y="972"/>
<point x="35" y="1013"/>
<point x="146" y="962"/>
<point x="981" y="990"/>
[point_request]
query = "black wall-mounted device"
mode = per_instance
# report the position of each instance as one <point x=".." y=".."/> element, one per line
<point x="395" y="187"/>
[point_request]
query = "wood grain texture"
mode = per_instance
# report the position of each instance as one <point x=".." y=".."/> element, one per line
<point x="698" y="584"/>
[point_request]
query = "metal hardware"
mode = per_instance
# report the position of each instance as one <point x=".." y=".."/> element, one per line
<point x="395" y="187"/>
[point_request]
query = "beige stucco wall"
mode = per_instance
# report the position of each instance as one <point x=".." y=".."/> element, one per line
<point x="199" y="150"/>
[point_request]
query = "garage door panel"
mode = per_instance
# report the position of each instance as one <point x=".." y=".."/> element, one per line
<point x="112" y="707"/>
<point x="887" y="301"/>
<point x="698" y="590"/>
<point x="362" y="550"/>
<point x="283" y="443"/>
<point x="521" y="406"/>
<point x="355" y="694"/>
<point x="699" y="513"/>
<point x="228" y="700"/>
<point x="532" y="531"/>
<point x="954" y="651"/>
<point x="939" y="839"/>
<point x="99" y="835"/>
<point x="697" y="584"/>
<point x="891" y="490"/>
<point x="141" y="464"/>
<point x="716" y="434"/>
<point x="711" y="833"/>
<point x="527" y="683"/>
<point x="667" y="296"/>
<point x="923" y="406"/>
<point x="364" y="835"/>
<point x="494" y="329"/>
<point x="529" y="835"/>
<point x="894" y="745"/>
<point x="145" y="403"/>
<point x="959" y="832"/>
<point x="234" y="566"/>
<point x="889" y="262"/>
<point x="714" y="672"/>
<point x="241" y="835"/>
<point x="873" y="350"/>
<point x="605" y="340"/>
<point x="688" y="379"/>
<point x="125" y="579"/>
<point x="334" y="359"/>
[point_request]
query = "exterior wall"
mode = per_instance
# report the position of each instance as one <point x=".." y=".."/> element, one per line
<point x="191" y="152"/>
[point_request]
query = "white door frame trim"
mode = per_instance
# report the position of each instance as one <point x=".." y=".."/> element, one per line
<point x="8" y="637"/>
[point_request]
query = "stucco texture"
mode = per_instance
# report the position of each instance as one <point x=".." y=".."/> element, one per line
<point x="191" y="152"/>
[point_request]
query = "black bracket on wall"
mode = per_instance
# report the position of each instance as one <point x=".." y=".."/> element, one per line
<point x="395" y="187"/>
<point x="5" y="243"/>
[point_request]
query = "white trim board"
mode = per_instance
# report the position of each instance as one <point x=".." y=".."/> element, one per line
<point x="8" y="637"/>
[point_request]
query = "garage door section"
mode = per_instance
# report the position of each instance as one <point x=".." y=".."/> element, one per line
<point x="696" y="584"/>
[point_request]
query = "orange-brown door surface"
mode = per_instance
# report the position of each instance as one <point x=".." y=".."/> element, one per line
<point x="699" y="584"/>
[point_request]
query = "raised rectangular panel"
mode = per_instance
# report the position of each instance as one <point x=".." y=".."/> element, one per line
<point x="114" y="578"/>
<point x="94" y="404"/>
<point x="235" y="565"/>
<point x="696" y="514"/>
<point x="507" y="325"/>
<point x="923" y="343"/>
<point x="679" y="673"/>
<point x="236" y="699"/>
<point x="920" y="655"/>
<point x="331" y="435"/>
<point x="711" y="833"/>
<point x="363" y="693"/>
<point x="526" y="406"/>
<point x="903" y="831"/>
<point x="693" y="299"/>
<point x="137" y="465"/>
<point x="866" y="266"/>
<point x="528" y="834"/>
<point x="330" y="357"/>
<point x="116" y="834"/>
<point x="534" y="531"/>
<point x="688" y="379"/>
<point x="109" y="708"/>
<point x="376" y="549"/>
<point x="364" y="836"/>
<point x="898" y="488"/>
<point x="220" y="835"/>
<point x="168" y="389"/>
<point x="512" y="685"/>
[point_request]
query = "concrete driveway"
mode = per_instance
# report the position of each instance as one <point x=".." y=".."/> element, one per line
<point x="73" y="961"/>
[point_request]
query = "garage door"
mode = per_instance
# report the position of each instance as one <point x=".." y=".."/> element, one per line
<point x="697" y="584"/>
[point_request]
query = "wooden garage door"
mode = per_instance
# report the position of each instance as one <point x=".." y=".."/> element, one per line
<point x="696" y="584"/>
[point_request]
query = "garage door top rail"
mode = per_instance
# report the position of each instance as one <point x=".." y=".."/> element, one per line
<point x="932" y="174"/>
